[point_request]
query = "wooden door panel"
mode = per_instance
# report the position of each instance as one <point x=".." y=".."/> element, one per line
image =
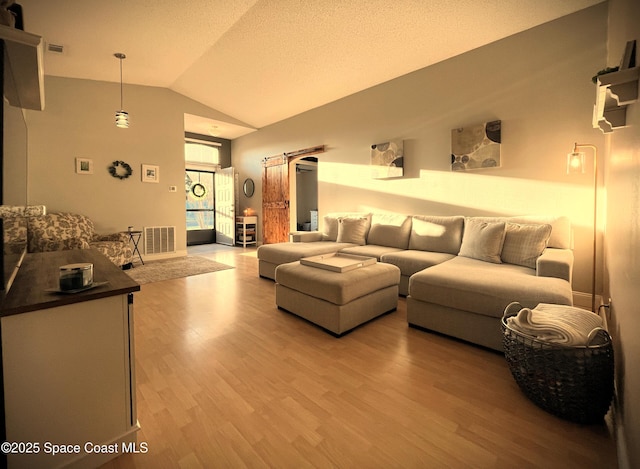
<point x="275" y="200"/>
<point x="275" y="194"/>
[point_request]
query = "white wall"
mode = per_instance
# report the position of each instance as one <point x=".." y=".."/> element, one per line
<point x="537" y="82"/>
<point x="79" y="121"/>
<point x="623" y="242"/>
<point x="306" y="192"/>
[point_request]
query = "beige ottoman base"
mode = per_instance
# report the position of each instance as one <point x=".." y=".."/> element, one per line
<point x="337" y="319"/>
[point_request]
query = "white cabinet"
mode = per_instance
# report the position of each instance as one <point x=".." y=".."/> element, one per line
<point x="246" y="230"/>
<point x="68" y="364"/>
<point x="23" y="58"/>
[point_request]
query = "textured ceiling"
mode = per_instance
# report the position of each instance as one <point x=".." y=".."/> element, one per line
<point x="261" y="61"/>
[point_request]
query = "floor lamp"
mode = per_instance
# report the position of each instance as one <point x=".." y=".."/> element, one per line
<point x="575" y="164"/>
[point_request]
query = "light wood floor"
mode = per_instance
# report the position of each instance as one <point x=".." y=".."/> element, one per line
<point x="225" y="379"/>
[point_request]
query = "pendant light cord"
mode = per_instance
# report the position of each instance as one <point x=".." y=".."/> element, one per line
<point x="121" y="56"/>
<point x="120" y="82"/>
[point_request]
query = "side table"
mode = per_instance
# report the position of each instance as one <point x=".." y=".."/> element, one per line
<point x="134" y="237"/>
<point x="246" y="230"/>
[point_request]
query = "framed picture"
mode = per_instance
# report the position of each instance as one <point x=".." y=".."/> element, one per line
<point x="84" y="166"/>
<point x="150" y="173"/>
<point x="387" y="159"/>
<point x="476" y="147"/>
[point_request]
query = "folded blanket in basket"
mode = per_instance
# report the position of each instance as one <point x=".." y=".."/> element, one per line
<point x="558" y="324"/>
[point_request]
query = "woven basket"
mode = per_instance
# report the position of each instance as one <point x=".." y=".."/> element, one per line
<point x="574" y="383"/>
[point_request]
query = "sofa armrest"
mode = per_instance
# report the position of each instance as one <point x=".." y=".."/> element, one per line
<point x="305" y="236"/>
<point x="555" y="263"/>
<point x="121" y="237"/>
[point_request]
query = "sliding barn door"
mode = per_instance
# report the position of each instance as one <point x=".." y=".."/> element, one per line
<point x="275" y="200"/>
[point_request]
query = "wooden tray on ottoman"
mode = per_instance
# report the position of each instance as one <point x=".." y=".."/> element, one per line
<point x="338" y="262"/>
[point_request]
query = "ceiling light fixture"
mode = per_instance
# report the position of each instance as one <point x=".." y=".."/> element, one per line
<point x="122" y="116"/>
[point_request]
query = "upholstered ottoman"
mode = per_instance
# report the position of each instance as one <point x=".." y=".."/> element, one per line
<point x="337" y="301"/>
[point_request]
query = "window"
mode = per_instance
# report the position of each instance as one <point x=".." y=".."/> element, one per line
<point x="202" y="153"/>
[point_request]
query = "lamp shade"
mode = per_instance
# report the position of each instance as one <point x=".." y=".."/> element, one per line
<point x="575" y="163"/>
<point x="122" y="119"/>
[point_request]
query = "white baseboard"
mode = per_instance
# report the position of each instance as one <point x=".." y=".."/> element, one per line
<point x="619" y="434"/>
<point x="160" y="256"/>
<point x="583" y="300"/>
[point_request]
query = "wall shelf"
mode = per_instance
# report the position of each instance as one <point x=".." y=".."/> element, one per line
<point x="24" y="68"/>
<point x="615" y="91"/>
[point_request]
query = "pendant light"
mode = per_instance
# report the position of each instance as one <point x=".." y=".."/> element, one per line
<point x="122" y="116"/>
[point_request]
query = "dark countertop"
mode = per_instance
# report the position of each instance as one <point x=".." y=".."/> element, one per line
<point x="40" y="272"/>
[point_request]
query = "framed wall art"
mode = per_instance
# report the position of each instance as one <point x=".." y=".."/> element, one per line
<point x="150" y="173"/>
<point x="476" y="147"/>
<point x="387" y="160"/>
<point x="84" y="166"/>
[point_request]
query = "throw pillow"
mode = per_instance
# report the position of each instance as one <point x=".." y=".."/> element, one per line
<point x="353" y="230"/>
<point x="483" y="240"/>
<point x="523" y="244"/>
<point x="330" y="232"/>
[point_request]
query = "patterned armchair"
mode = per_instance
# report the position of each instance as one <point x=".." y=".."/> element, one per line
<point x="14" y="218"/>
<point x="61" y="231"/>
<point x="31" y="226"/>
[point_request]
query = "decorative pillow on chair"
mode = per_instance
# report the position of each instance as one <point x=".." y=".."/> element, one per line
<point x="353" y="230"/>
<point x="523" y="244"/>
<point x="483" y="240"/>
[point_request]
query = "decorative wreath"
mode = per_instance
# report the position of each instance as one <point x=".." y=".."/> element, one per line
<point x="198" y="190"/>
<point x="120" y="170"/>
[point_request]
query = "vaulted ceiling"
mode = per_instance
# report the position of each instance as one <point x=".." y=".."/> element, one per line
<point x="262" y="61"/>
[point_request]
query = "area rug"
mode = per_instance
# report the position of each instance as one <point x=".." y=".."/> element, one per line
<point x="156" y="271"/>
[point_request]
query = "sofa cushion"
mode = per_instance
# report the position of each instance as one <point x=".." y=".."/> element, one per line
<point x="46" y="231"/>
<point x="390" y="230"/>
<point x="411" y="262"/>
<point x="120" y="253"/>
<point x="15" y="231"/>
<point x="523" y="244"/>
<point x="282" y="253"/>
<point x="436" y="234"/>
<point x="483" y="240"/>
<point x="62" y="244"/>
<point x="370" y="250"/>
<point x="485" y="288"/>
<point x="8" y="211"/>
<point x="353" y="230"/>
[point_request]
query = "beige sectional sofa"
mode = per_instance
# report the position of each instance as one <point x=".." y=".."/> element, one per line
<point x="458" y="273"/>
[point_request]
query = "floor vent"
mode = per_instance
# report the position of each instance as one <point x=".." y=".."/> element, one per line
<point x="158" y="239"/>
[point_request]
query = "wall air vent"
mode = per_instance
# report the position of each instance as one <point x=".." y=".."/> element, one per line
<point x="159" y="239"/>
<point x="57" y="48"/>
